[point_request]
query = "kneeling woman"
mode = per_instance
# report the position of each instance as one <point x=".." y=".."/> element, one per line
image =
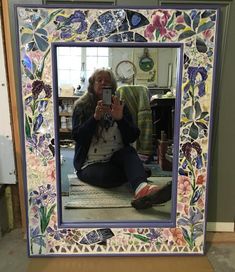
<point x="103" y="134"/>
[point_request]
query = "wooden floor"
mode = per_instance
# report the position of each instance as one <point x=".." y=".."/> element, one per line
<point x="121" y="264"/>
<point x="220" y="237"/>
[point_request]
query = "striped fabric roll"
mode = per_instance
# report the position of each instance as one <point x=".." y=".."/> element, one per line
<point x="136" y="99"/>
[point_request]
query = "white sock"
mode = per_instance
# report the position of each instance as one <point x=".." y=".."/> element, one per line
<point x="141" y="186"/>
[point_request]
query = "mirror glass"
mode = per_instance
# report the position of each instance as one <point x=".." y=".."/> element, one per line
<point x="153" y="71"/>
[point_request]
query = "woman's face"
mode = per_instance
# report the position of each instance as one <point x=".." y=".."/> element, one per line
<point x="102" y="79"/>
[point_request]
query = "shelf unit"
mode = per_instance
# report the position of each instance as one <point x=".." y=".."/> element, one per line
<point x="66" y="106"/>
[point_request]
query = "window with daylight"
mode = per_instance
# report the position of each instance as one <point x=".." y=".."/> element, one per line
<point x="78" y="63"/>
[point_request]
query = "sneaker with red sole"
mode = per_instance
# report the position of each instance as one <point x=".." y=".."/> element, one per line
<point x="164" y="194"/>
<point x="145" y="197"/>
<point x="150" y="195"/>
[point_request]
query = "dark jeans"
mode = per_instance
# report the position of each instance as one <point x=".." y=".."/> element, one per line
<point x="124" y="166"/>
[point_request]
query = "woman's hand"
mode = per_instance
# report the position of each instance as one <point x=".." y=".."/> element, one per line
<point x="117" y="108"/>
<point x="100" y="110"/>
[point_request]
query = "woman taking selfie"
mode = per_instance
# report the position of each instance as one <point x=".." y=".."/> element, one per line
<point x="103" y="131"/>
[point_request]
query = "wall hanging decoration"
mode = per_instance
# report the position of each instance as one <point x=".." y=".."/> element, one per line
<point x="146" y="63"/>
<point x="125" y="71"/>
<point x="193" y="32"/>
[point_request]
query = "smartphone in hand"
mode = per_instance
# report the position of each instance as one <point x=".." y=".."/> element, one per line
<point x="107" y="95"/>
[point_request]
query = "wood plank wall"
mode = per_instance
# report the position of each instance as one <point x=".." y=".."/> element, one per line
<point x="13" y="109"/>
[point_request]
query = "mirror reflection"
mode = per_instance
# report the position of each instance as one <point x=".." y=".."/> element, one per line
<point x="116" y="156"/>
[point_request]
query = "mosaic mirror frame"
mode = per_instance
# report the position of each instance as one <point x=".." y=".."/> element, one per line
<point x="196" y="31"/>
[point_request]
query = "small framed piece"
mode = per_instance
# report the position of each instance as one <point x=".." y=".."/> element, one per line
<point x="146" y="63"/>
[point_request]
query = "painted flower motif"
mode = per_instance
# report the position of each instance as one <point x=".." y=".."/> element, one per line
<point x="142" y="231"/>
<point x="182" y="206"/>
<point x="34" y="216"/>
<point x="27" y="89"/>
<point x="124" y="240"/>
<point x="41" y="147"/>
<point x="56" y="233"/>
<point x="196" y="195"/>
<point x="74" y="24"/>
<point x="35" y="162"/>
<point x="33" y="62"/>
<point x="36" y="56"/>
<point x="45" y="196"/>
<point x="160" y="20"/>
<point x="36" y="237"/>
<point x="193" y="158"/>
<point x="184" y="199"/>
<point x="131" y="230"/>
<point x="69" y="237"/>
<point x="51" y="172"/>
<point x="53" y="219"/>
<point x="72" y="236"/>
<point x="201" y="179"/>
<point x="197" y="77"/>
<point x="198" y="190"/>
<point x="195" y="121"/>
<point x="195" y="217"/>
<point x="42" y="202"/>
<point x="192" y="153"/>
<point x="201" y="202"/>
<point x="148" y="33"/>
<point x="180" y="19"/>
<point x="161" y="26"/>
<point x="207" y="34"/>
<point x="34" y="35"/>
<point x="36" y="104"/>
<point x="153" y="234"/>
<point x="192" y="226"/>
<point x="38" y="86"/>
<point x="167" y="236"/>
<point x="178" y="236"/>
<point x="184" y="185"/>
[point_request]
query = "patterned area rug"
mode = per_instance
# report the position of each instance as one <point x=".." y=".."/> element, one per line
<point x="82" y="195"/>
